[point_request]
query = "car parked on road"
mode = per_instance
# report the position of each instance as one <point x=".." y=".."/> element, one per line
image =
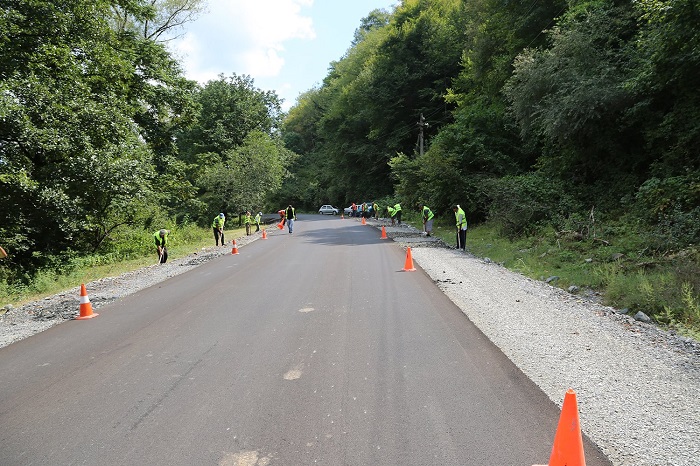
<point x="328" y="209"/>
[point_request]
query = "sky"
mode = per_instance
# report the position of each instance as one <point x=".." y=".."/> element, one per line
<point x="285" y="46"/>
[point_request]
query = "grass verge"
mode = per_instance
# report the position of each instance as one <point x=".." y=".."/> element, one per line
<point x="182" y="242"/>
<point x="666" y="287"/>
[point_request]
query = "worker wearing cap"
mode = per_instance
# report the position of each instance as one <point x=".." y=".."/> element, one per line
<point x="258" y="217"/>
<point x="461" y="224"/>
<point x="160" y="237"/>
<point x="218" y="226"/>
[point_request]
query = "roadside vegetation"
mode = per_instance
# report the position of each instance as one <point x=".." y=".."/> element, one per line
<point x="134" y="251"/>
<point x="617" y="271"/>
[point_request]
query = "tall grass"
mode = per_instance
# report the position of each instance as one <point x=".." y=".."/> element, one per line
<point x="131" y="250"/>
<point x="665" y="287"/>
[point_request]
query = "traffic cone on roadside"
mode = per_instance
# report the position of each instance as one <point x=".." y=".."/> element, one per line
<point x="264" y="234"/>
<point x="408" y="267"/>
<point x="383" y="233"/>
<point x="85" y="306"/>
<point x="280" y="225"/>
<point x="568" y="443"/>
<point x="364" y="222"/>
<point x="234" y="250"/>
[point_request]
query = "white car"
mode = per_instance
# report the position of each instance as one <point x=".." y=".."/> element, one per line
<point x="328" y="209"/>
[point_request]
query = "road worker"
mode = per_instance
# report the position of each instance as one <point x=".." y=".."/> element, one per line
<point x="392" y="213"/>
<point x="248" y="220"/>
<point x="290" y="215"/>
<point x="258" y="218"/>
<point x="218" y="226"/>
<point x="427" y="220"/>
<point x="461" y="225"/>
<point x="160" y="238"/>
<point x="397" y="212"/>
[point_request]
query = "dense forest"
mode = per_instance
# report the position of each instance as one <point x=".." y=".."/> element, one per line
<point x="535" y="112"/>
<point x="578" y="116"/>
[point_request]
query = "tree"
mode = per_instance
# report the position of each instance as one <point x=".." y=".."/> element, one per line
<point x="237" y="127"/>
<point x="667" y="66"/>
<point x="247" y="175"/>
<point x="155" y="20"/>
<point x="230" y="109"/>
<point x="376" y="92"/>
<point x="75" y="163"/>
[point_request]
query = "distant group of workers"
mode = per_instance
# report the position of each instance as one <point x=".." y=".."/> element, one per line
<point x="248" y="220"/>
<point x="394" y="212"/>
<point x="160" y="237"/>
<point x="366" y="210"/>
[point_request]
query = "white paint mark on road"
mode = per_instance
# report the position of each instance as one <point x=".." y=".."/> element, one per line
<point x="294" y="373"/>
<point x="307" y="309"/>
<point x="244" y="458"/>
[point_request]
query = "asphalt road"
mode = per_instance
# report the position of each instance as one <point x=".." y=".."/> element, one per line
<point x="309" y="348"/>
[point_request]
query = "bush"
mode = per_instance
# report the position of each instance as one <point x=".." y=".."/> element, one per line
<point x="671" y="209"/>
<point x="522" y="204"/>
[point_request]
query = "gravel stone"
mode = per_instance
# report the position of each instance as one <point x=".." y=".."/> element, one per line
<point x="637" y="385"/>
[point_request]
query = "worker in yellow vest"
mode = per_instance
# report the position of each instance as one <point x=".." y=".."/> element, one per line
<point x="160" y="237"/>
<point x="461" y="224"/>
<point x="427" y="220"/>
<point x="392" y="213"/>
<point x="258" y="218"/>
<point x="248" y="220"/>
<point x="397" y="213"/>
<point x="218" y="226"/>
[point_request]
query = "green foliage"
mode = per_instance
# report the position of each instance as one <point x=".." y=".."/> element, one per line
<point x="230" y="109"/>
<point x="132" y="248"/>
<point x="521" y="204"/>
<point x="249" y="172"/>
<point x="156" y="19"/>
<point x="667" y="64"/>
<point x="566" y="95"/>
<point x="672" y="207"/>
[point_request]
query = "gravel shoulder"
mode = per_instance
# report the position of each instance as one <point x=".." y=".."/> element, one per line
<point x="637" y="386"/>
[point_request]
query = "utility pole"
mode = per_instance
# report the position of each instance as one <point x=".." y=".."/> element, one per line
<point x="421" y="126"/>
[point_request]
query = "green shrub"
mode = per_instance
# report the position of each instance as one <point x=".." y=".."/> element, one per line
<point x="670" y="207"/>
<point x="522" y="204"/>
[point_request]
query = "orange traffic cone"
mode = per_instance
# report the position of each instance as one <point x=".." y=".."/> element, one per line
<point x="85" y="306"/>
<point x="234" y="250"/>
<point x="280" y="225"/>
<point x="409" y="262"/>
<point x="383" y="233"/>
<point x="364" y="222"/>
<point x="568" y="443"/>
<point x="264" y="234"/>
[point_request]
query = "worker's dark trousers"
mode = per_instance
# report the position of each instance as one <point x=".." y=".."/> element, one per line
<point x="164" y="257"/>
<point x="217" y="235"/>
<point x="461" y="239"/>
